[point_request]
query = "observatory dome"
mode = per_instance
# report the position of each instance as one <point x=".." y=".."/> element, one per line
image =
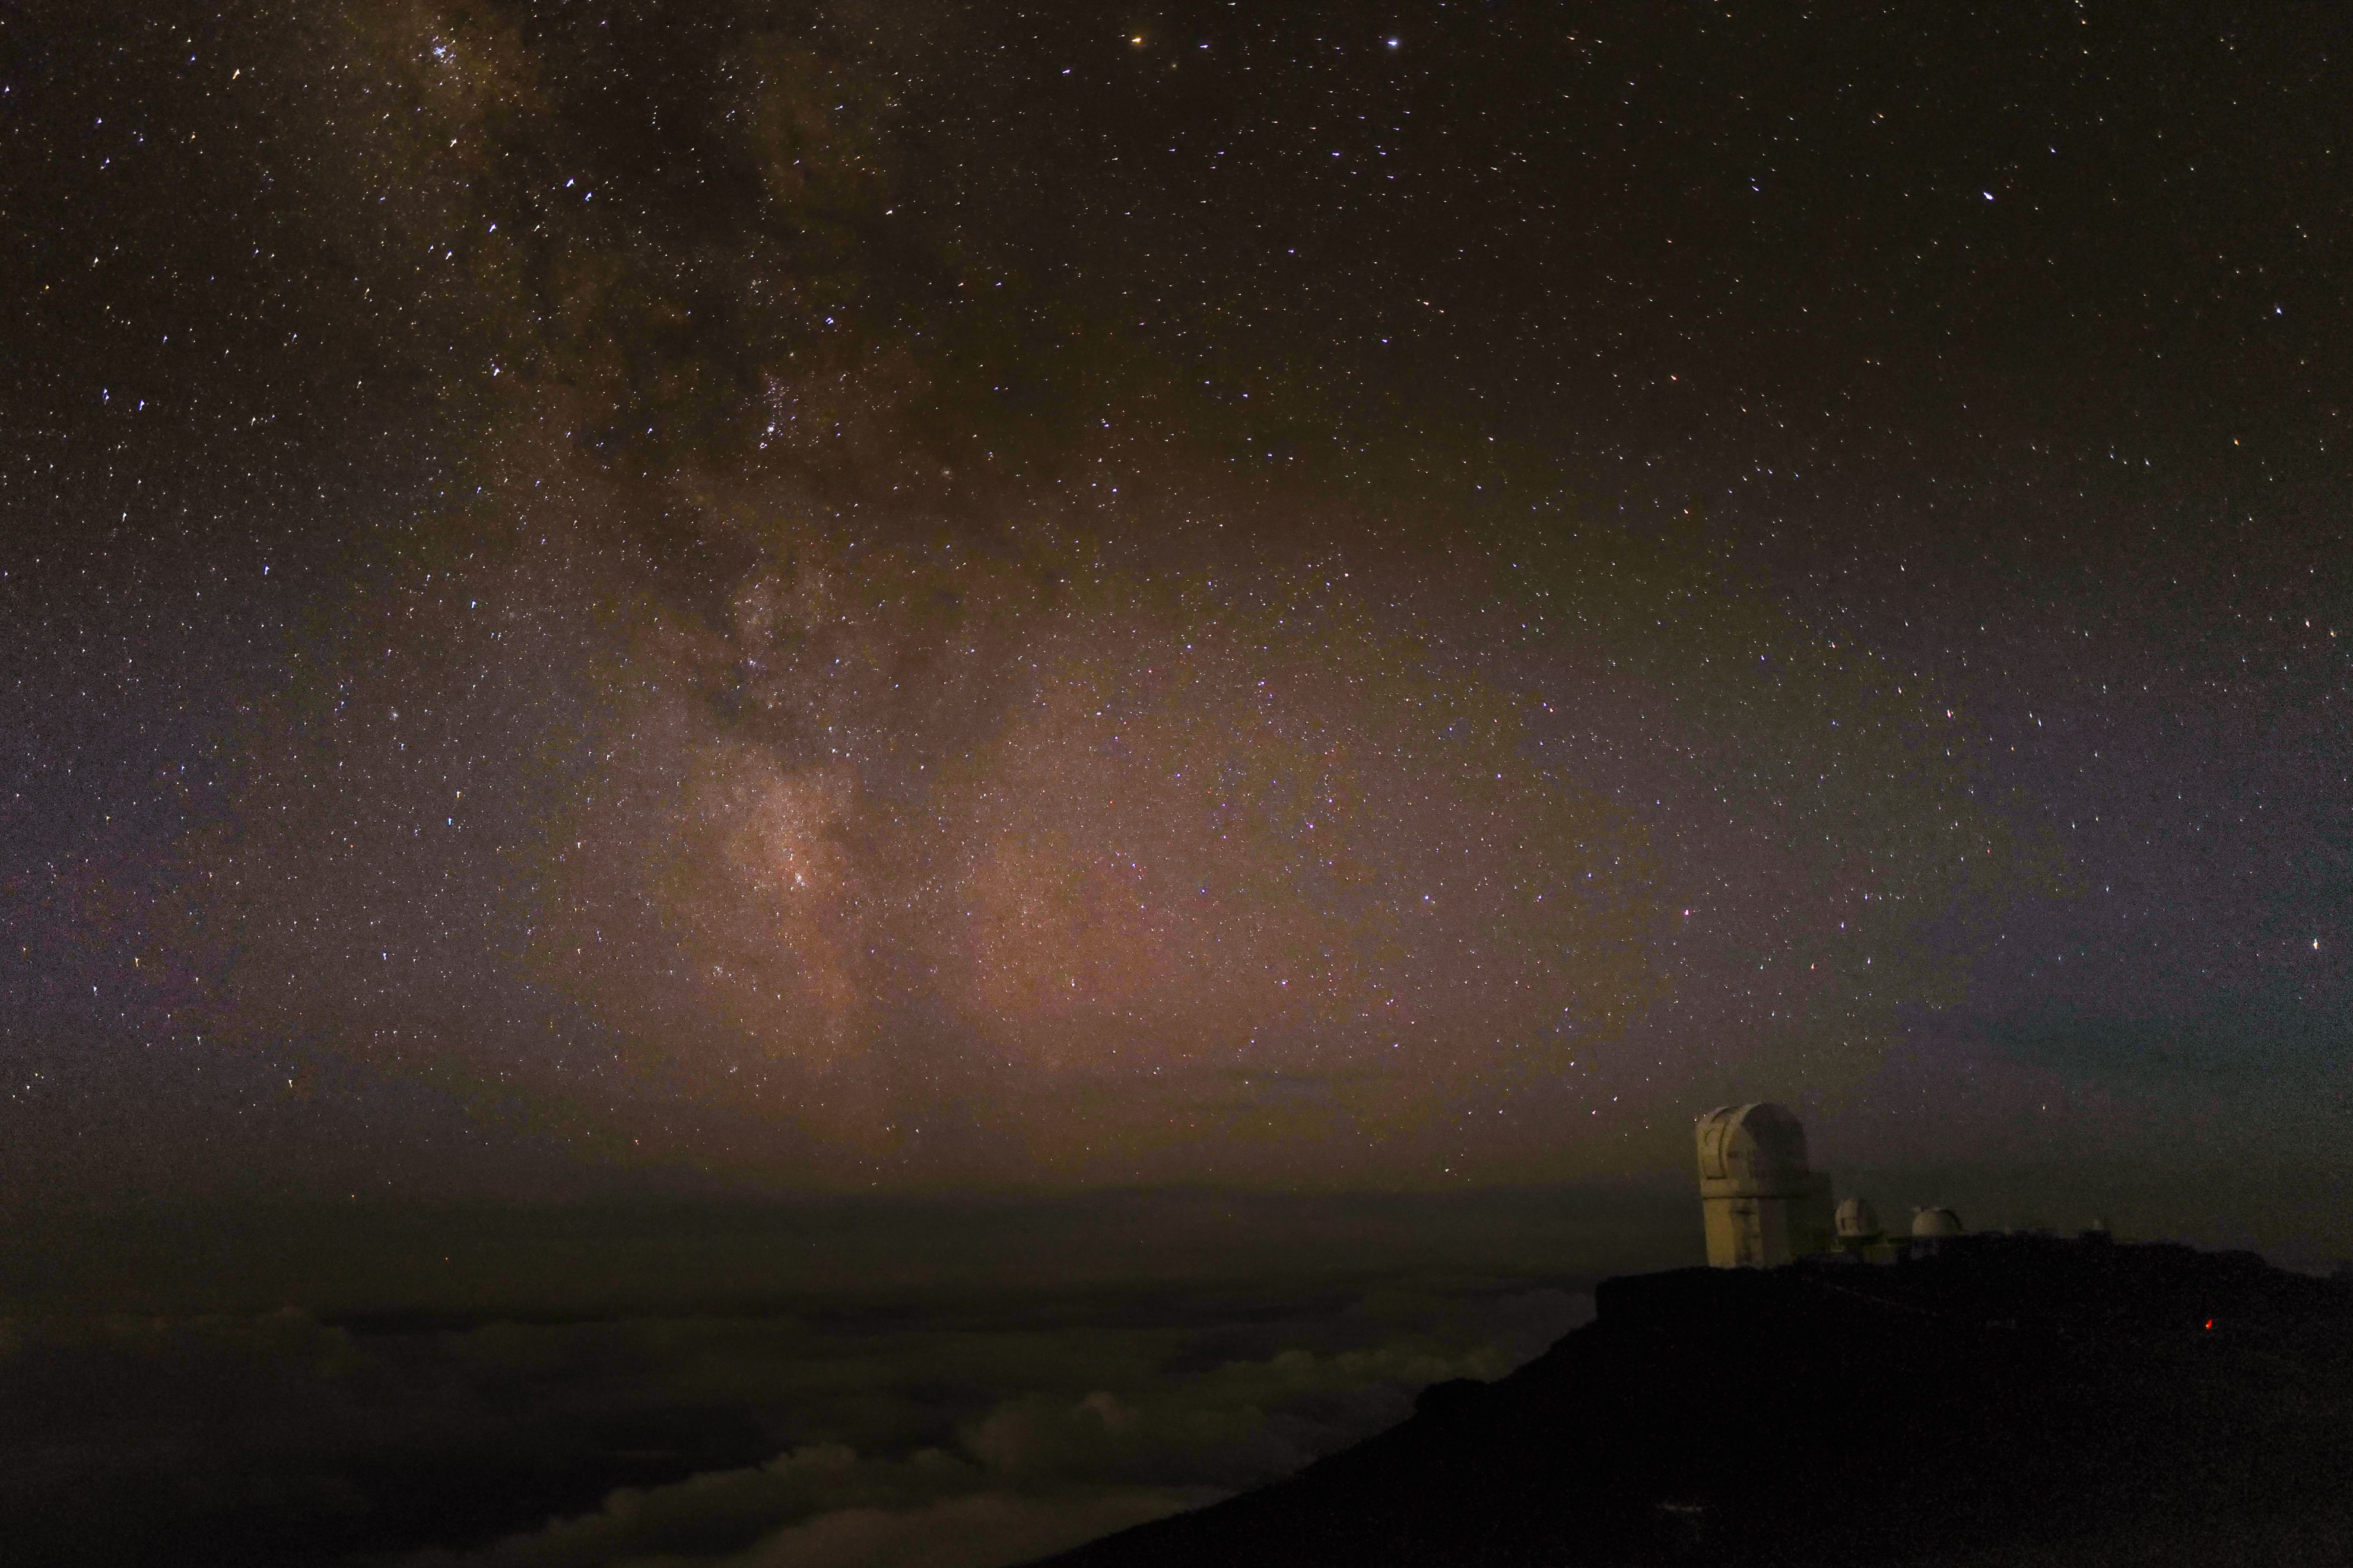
<point x="1857" y="1220"/>
<point x="1935" y="1222"/>
<point x="1762" y="1203"/>
<point x="1760" y="1146"/>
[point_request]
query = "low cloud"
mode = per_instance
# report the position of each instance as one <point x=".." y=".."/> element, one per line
<point x="988" y="1432"/>
<point x="1044" y="1468"/>
<point x="826" y="1504"/>
<point x="985" y="1529"/>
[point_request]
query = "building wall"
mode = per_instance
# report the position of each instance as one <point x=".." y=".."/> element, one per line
<point x="1764" y="1229"/>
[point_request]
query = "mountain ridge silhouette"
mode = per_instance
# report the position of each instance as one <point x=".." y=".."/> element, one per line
<point x="2009" y="1399"/>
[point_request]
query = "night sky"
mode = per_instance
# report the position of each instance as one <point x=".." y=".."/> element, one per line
<point x="759" y="598"/>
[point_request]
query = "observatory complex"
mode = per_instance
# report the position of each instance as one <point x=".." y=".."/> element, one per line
<point x="1765" y="1205"/>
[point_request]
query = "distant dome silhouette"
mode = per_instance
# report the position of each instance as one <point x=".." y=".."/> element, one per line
<point x="1857" y="1220"/>
<point x="1935" y="1222"/>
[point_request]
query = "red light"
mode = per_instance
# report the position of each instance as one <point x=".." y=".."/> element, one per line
<point x="2210" y="1322"/>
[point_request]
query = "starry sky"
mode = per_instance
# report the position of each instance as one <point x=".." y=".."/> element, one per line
<point x="764" y="596"/>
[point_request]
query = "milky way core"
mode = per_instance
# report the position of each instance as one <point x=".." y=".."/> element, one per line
<point x="1081" y="841"/>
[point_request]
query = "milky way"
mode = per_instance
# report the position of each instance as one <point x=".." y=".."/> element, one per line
<point x="913" y="599"/>
<point x="1075" y="840"/>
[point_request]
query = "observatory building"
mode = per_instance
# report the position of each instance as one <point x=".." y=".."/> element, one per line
<point x="1765" y="1206"/>
<point x="1858" y="1223"/>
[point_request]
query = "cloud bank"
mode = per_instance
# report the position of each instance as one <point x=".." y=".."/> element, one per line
<point x="988" y="1432"/>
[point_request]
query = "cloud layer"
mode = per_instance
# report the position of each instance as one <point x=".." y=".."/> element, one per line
<point x="982" y="1433"/>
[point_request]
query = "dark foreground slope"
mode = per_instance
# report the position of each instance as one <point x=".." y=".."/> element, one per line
<point x="2014" y="1400"/>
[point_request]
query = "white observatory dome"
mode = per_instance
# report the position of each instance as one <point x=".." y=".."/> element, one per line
<point x="1763" y="1205"/>
<point x="1857" y="1220"/>
<point x="1935" y="1222"/>
<point x="1761" y="1144"/>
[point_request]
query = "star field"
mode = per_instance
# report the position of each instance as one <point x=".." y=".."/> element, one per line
<point x="1006" y="595"/>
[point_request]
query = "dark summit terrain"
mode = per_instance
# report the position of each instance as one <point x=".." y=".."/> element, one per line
<point x="2010" y="1400"/>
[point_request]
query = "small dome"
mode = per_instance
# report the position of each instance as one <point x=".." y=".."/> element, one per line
<point x="1760" y="1142"/>
<point x="1857" y="1219"/>
<point x="1935" y="1222"/>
